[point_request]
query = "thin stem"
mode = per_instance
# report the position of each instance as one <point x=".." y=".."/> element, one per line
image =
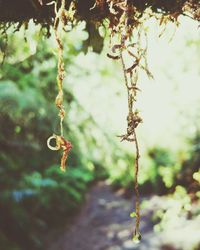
<point x="60" y="66"/>
<point x="131" y="99"/>
<point x="137" y="196"/>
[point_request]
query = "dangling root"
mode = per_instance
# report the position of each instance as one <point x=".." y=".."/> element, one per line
<point x="61" y="68"/>
<point x="61" y="143"/>
<point x="137" y="234"/>
<point x="133" y="120"/>
<point x="122" y="10"/>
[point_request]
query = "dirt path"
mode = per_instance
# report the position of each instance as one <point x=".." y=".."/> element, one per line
<point x="104" y="224"/>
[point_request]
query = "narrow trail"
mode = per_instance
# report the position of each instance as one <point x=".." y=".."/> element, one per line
<point x="104" y="224"/>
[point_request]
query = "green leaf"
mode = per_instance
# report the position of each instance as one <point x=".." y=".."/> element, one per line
<point x="133" y="214"/>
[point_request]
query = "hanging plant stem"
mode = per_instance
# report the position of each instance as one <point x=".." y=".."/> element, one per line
<point x="133" y="121"/>
<point x="61" y="142"/>
<point x="137" y="195"/>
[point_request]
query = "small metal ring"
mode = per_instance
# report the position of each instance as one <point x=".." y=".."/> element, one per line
<point x="55" y="148"/>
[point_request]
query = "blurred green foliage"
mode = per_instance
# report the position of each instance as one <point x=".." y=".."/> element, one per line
<point x="35" y="194"/>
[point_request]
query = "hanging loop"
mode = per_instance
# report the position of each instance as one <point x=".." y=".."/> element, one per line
<point x="56" y="147"/>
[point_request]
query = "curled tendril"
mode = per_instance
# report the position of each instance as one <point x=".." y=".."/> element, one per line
<point x="63" y="144"/>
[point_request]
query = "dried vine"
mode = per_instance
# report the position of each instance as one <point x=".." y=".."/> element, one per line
<point x="61" y="142"/>
<point x="127" y="25"/>
<point x="133" y="121"/>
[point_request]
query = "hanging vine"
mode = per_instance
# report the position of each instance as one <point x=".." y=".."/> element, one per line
<point x="126" y="21"/>
<point x="61" y="142"/>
